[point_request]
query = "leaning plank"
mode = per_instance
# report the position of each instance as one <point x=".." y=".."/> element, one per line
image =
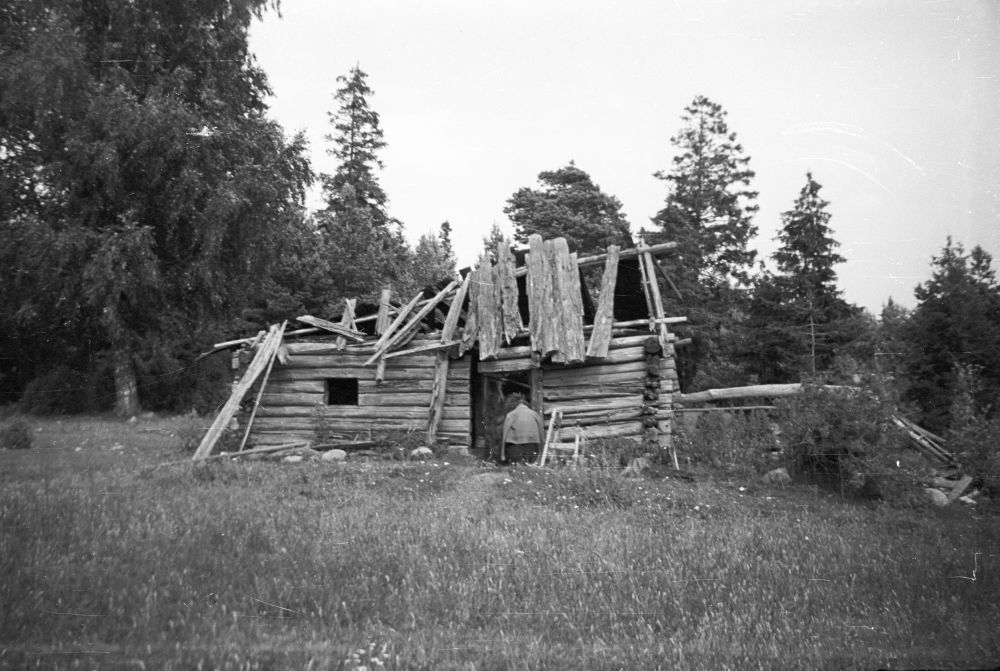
<point x="400" y="318"/>
<point x="409" y="330"/>
<point x="487" y="311"/>
<point x="508" y="293"/>
<point x="347" y="320"/>
<point x="382" y="320"/>
<point x="657" y="299"/>
<point x="356" y="336"/>
<point x="554" y="250"/>
<point x="439" y="391"/>
<point x="572" y="313"/>
<point x="429" y="347"/>
<point x="264" y="356"/>
<point x="260" y="392"/>
<point x="600" y="337"/>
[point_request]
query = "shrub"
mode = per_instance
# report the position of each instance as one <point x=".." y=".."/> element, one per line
<point x="16" y="436"/>
<point x="63" y="390"/>
<point x="831" y="435"/>
<point x="738" y="442"/>
<point x="976" y="443"/>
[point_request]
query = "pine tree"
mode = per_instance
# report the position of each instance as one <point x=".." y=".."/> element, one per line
<point x="493" y="240"/>
<point x="569" y="205"/>
<point x="709" y="206"/>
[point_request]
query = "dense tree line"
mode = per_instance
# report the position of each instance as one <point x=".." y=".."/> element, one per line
<point x="149" y="207"/>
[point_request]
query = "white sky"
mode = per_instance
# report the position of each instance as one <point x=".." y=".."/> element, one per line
<point x="894" y="106"/>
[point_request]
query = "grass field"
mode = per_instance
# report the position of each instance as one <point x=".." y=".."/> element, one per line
<point x="110" y="561"/>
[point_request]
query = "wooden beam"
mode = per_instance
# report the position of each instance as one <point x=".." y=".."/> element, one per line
<point x="508" y="292"/>
<point x="265" y="354"/>
<point x="356" y="336"/>
<point x="429" y="347"/>
<point x="753" y="391"/>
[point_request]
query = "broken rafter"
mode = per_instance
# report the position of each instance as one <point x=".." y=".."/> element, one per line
<point x="356" y="336"/>
<point x="392" y="337"/>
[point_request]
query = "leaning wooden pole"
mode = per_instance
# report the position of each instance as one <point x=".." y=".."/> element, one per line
<point x="264" y="356"/>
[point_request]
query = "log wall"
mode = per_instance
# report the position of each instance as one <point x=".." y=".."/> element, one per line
<point x="294" y="403"/>
<point x="627" y="393"/>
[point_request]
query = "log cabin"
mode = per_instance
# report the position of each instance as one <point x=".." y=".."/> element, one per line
<point x="585" y="339"/>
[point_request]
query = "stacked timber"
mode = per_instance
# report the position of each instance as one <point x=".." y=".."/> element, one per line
<point x="608" y="397"/>
<point x="296" y="400"/>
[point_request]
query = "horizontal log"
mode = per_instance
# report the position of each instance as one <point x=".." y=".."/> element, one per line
<point x="353" y="425"/>
<point x="373" y="413"/>
<point x="378" y="399"/>
<point x="595" y="418"/>
<point x="348" y="360"/>
<point x="367" y="374"/>
<point x="262" y="438"/>
<point x="504" y="365"/>
<point x="753" y="391"/>
<point x="588" y="405"/>
<point x="556" y="395"/>
<point x="619" y="430"/>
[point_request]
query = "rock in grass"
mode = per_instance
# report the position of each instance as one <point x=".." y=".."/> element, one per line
<point x="421" y="453"/>
<point x="292" y="459"/>
<point x="778" y="476"/>
<point x="15" y="436"/>
<point x="637" y="468"/>
<point x="936" y="496"/>
<point x="334" y="455"/>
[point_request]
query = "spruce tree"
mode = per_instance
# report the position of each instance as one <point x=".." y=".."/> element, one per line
<point x="708" y="212"/>
<point x="954" y="331"/>
<point x="798" y="319"/>
<point x="365" y="246"/>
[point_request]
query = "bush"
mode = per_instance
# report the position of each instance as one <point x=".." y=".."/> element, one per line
<point x="64" y="390"/>
<point x="829" y="436"/>
<point x="976" y="443"/>
<point x="16" y="436"/>
<point x="737" y="442"/>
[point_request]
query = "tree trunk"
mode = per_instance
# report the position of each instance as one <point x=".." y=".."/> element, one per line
<point x="126" y="389"/>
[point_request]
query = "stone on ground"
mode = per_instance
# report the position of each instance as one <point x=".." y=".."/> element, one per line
<point x="421" y="453"/>
<point x="334" y="455"/>
<point x="778" y="476"/>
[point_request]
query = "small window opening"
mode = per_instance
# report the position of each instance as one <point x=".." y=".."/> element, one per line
<point x="341" y="391"/>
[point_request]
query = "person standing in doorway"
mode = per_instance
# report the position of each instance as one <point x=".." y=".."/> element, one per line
<point x="523" y="433"/>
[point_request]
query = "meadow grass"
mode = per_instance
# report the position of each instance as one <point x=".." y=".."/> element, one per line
<point x="110" y="561"/>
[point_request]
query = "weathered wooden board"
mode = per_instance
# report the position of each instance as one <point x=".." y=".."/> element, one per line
<point x="487" y="311"/>
<point x="504" y="365"/>
<point x="585" y="405"/>
<point x="572" y="307"/>
<point x="600" y="336"/>
<point x="261" y="361"/>
<point x="535" y="284"/>
<point x="508" y="292"/>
